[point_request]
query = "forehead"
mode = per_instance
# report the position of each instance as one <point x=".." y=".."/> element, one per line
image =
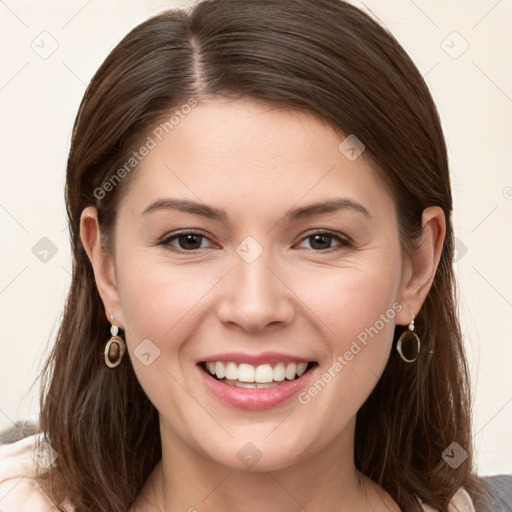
<point x="253" y="157"/>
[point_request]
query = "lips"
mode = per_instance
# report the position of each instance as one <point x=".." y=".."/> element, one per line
<point x="255" y="381"/>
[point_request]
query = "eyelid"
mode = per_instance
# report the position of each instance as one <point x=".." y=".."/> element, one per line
<point x="167" y="238"/>
<point x="344" y="240"/>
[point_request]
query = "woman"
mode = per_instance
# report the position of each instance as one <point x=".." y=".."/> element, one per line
<point x="262" y="311"/>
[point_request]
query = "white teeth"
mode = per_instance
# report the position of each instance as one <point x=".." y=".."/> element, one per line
<point x="279" y="372"/>
<point x="301" y="368"/>
<point x="231" y="371"/>
<point x="291" y="371"/>
<point x="249" y="385"/>
<point x="220" y="370"/>
<point x="264" y="375"/>
<point x="246" y="373"/>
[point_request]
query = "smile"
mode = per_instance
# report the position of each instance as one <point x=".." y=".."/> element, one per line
<point x="250" y="383"/>
<point x="250" y="376"/>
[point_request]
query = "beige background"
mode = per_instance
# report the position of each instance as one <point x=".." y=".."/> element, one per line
<point x="38" y="101"/>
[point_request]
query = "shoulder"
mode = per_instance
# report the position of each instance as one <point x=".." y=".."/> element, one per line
<point x="20" y="464"/>
<point x="461" y="502"/>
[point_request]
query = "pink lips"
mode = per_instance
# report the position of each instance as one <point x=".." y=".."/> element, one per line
<point x="256" y="359"/>
<point x="255" y="398"/>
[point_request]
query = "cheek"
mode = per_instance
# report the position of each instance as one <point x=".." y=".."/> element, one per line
<point x="159" y="305"/>
<point x="356" y="309"/>
<point x="349" y="301"/>
<point x="157" y="297"/>
<point x="162" y="306"/>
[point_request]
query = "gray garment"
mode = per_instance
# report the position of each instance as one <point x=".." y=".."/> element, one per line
<point x="500" y="486"/>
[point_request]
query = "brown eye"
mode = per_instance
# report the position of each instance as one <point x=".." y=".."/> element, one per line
<point x="189" y="242"/>
<point x="186" y="241"/>
<point x="322" y="241"/>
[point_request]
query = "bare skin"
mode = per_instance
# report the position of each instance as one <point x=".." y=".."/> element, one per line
<point x="302" y="296"/>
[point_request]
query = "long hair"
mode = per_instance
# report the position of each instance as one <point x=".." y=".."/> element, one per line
<point x="324" y="57"/>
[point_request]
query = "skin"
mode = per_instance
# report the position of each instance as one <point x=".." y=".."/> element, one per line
<point x="298" y="297"/>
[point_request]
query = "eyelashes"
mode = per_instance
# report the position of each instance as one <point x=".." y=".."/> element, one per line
<point x="183" y="235"/>
<point x="192" y="237"/>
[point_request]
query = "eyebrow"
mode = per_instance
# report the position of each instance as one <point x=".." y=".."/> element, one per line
<point x="213" y="213"/>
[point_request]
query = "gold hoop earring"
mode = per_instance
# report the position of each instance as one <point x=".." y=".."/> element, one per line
<point x="409" y="332"/>
<point x="115" y="347"/>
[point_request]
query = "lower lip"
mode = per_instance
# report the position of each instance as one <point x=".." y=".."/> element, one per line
<point x="255" y="398"/>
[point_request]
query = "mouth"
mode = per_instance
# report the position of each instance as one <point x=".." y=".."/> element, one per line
<point x="255" y="382"/>
<point x="262" y="376"/>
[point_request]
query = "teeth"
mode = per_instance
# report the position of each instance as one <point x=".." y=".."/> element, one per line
<point x="246" y="372"/>
<point x="279" y="372"/>
<point x="301" y="368"/>
<point x="220" y="370"/>
<point x="263" y="374"/>
<point x="291" y="371"/>
<point x="231" y="371"/>
<point x="250" y="385"/>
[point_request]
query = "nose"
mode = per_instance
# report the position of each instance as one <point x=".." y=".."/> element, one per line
<point x="255" y="296"/>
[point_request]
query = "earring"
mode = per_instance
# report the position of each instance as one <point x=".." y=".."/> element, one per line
<point x="410" y="332"/>
<point x="115" y="347"/>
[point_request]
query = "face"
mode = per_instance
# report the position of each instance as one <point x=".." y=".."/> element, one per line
<point x="223" y="265"/>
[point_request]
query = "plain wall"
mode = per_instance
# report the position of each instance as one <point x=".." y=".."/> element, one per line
<point x="39" y="98"/>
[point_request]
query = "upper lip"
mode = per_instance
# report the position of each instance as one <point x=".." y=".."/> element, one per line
<point x="255" y="359"/>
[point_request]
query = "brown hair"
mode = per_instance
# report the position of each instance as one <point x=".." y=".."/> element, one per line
<point x="334" y="61"/>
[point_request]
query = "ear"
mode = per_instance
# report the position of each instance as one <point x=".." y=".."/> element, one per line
<point x="419" y="272"/>
<point x="102" y="263"/>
